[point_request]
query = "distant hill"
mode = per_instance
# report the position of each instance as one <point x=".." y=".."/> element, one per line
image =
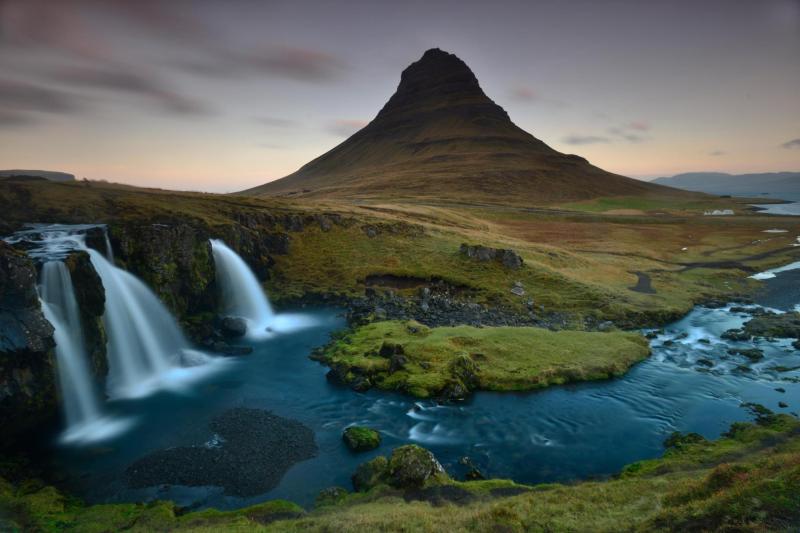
<point x="440" y="137"/>
<point x="44" y="174"/>
<point x="784" y="185"/>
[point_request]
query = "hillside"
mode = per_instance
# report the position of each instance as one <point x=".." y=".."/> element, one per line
<point x="440" y="137"/>
<point x="784" y="185"/>
<point x="44" y="174"/>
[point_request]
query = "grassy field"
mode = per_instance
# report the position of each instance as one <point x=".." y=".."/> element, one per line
<point x="579" y="262"/>
<point x="488" y="358"/>
<point x="749" y="480"/>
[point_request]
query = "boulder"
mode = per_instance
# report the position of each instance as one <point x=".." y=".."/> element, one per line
<point x="506" y="257"/>
<point x="412" y="466"/>
<point x="361" y="439"/>
<point x="370" y="474"/>
<point x="233" y="327"/>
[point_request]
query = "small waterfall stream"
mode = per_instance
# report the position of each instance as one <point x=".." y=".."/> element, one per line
<point x="81" y="404"/>
<point x="241" y="293"/>
<point x="146" y="348"/>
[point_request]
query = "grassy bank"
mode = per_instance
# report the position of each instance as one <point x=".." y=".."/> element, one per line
<point x="421" y="361"/>
<point x="749" y="480"/>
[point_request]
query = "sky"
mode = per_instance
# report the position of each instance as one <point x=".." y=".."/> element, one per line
<point x="222" y="96"/>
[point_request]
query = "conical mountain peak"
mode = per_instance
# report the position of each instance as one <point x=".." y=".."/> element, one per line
<point x="440" y="138"/>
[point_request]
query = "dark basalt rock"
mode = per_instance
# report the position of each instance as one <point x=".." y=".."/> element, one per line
<point x="754" y="354"/>
<point x="174" y="259"/>
<point x="91" y="297"/>
<point x="508" y="258"/>
<point x="28" y="395"/>
<point x="252" y="452"/>
<point x="735" y="335"/>
<point x="785" y="325"/>
<point x="233" y="327"/>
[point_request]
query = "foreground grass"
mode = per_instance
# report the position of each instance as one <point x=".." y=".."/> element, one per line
<point x="424" y="362"/>
<point x="749" y="480"/>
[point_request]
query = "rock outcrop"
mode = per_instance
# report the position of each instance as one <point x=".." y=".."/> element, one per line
<point x="27" y="357"/>
<point x="409" y="467"/>
<point x="91" y="297"/>
<point x="174" y="260"/>
<point x="508" y="258"/>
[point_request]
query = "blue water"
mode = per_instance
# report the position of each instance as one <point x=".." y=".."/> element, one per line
<point x="559" y="434"/>
<point x="780" y="209"/>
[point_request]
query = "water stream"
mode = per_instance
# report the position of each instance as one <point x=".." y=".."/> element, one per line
<point x="692" y="382"/>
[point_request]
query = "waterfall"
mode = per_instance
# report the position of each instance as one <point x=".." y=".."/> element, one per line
<point x="146" y="348"/>
<point x="109" y="250"/>
<point x="60" y="307"/>
<point x="242" y="295"/>
<point x="85" y="419"/>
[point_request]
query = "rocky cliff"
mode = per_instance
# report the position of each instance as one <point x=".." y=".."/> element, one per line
<point x="28" y="395"/>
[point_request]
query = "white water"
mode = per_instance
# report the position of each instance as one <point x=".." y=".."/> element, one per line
<point x="146" y="348"/>
<point x="84" y="417"/>
<point x="242" y="295"/>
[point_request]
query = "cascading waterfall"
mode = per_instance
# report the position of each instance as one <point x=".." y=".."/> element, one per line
<point x="60" y="307"/>
<point x="242" y="295"/>
<point x="146" y="348"/>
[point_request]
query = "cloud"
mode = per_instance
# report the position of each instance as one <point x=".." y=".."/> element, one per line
<point x="16" y="96"/>
<point x="346" y="127"/>
<point x="524" y="94"/>
<point x="639" y="125"/>
<point x="293" y="63"/>
<point x="717" y="152"/>
<point x="11" y="119"/>
<point x="579" y="140"/>
<point x="275" y="122"/>
<point x="628" y="133"/>
<point x="794" y="143"/>
<point x="115" y="80"/>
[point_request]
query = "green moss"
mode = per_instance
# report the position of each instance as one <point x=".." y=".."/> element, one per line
<point x="361" y="439"/>
<point x="446" y="360"/>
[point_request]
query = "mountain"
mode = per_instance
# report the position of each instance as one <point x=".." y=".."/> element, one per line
<point x="43" y="174"/>
<point x="440" y="137"/>
<point x="784" y="185"/>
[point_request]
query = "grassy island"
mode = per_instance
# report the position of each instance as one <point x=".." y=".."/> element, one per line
<point x="409" y="357"/>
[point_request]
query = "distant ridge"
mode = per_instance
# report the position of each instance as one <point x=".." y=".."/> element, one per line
<point x="440" y="137"/>
<point x="44" y="174"/>
<point x="783" y="185"/>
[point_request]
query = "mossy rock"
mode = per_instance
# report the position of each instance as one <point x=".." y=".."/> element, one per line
<point x="361" y="439"/>
<point x="330" y="496"/>
<point x="370" y="474"/>
<point x="413" y="466"/>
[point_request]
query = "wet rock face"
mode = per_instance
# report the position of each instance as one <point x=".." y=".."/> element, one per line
<point x="91" y="298"/>
<point x="508" y="258"/>
<point x="27" y="360"/>
<point x="174" y="260"/>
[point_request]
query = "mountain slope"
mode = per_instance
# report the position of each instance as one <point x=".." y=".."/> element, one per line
<point x="440" y="137"/>
<point x="784" y="185"/>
